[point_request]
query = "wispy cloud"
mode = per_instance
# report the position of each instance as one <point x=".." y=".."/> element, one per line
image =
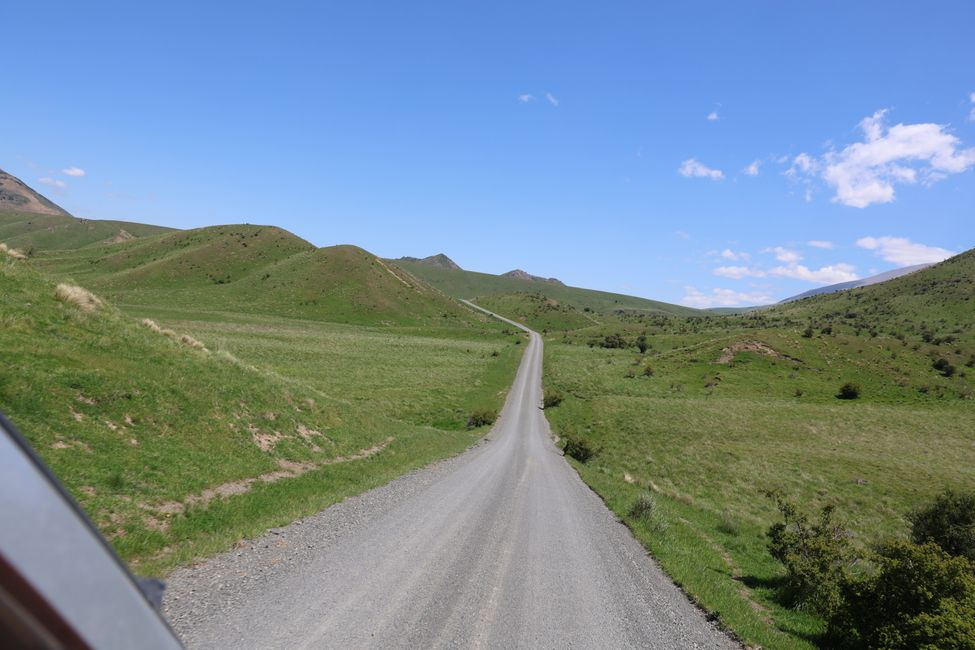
<point x="864" y="173"/>
<point x="723" y="298"/>
<point x="691" y="168"/>
<point x="971" y="114"/>
<point x="525" y="98"/>
<point x="729" y="254"/>
<point x="752" y="169"/>
<point x="77" y="172"/>
<point x="552" y="99"/>
<point x="902" y="251"/>
<point x="784" y="254"/>
<point x="713" y="116"/>
<point x="681" y="234"/>
<point x="825" y="275"/>
<point x="820" y="243"/>
<point x="53" y="182"/>
<point x="738" y="272"/>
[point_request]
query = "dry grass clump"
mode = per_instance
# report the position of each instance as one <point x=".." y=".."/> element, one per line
<point x="78" y="296"/>
<point x="186" y="339"/>
<point x="151" y="324"/>
<point x="12" y="252"/>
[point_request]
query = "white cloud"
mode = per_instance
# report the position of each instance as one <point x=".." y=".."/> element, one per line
<point x="786" y="255"/>
<point x="552" y="99"/>
<point x="525" y="98"/>
<point x="752" y="169"/>
<point x="820" y="243"/>
<point x="971" y="115"/>
<point x="723" y="298"/>
<point x="825" y="275"/>
<point x="692" y="168"/>
<point x="729" y="254"/>
<point x="865" y="173"/>
<point x="738" y="272"/>
<point x="53" y="182"/>
<point x="903" y="251"/>
<point x="713" y="116"/>
<point x="73" y="171"/>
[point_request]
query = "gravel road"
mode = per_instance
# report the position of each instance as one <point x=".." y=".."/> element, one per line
<point x="501" y="547"/>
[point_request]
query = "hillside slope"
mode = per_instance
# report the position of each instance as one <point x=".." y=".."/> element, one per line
<point x="470" y="285"/>
<point x="132" y="419"/>
<point x="855" y="284"/>
<point x="258" y="269"/>
<point x="16" y="195"/>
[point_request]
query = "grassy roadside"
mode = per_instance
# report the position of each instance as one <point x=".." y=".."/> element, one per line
<point x="167" y="437"/>
<point x="706" y="439"/>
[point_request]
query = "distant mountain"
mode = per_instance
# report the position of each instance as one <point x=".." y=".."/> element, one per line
<point x="856" y="284"/>
<point x="518" y="274"/>
<point x="439" y="260"/>
<point x="16" y="195"/>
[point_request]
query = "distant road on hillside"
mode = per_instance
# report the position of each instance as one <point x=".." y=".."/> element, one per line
<point x="501" y="547"/>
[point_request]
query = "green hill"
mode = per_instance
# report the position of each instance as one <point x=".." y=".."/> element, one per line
<point x="471" y="285"/>
<point x="32" y="232"/>
<point x="258" y="269"/>
<point x="720" y="409"/>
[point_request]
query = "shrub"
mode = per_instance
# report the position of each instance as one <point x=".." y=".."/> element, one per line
<point x="807" y="333"/>
<point x="816" y="555"/>
<point x="641" y="343"/>
<point x="552" y="398"/>
<point x="849" y="390"/>
<point x="918" y="597"/>
<point x="480" y="418"/>
<point x="648" y="371"/>
<point x="578" y="449"/>
<point x="945" y="368"/>
<point x="949" y="522"/>
<point x="613" y="341"/>
<point x="646" y="510"/>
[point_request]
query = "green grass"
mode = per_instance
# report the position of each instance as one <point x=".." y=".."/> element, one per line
<point x="707" y="439"/>
<point x="131" y="419"/>
<point x="538" y="312"/>
<point x="470" y="284"/>
<point x="31" y="232"/>
<point x="259" y="269"/>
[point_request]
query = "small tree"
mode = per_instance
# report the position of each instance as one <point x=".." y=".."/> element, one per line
<point x="948" y="521"/>
<point x="849" y="390"/>
<point x="816" y="555"/>
<point x="641" y="344"/>
<point x="552" y="398"/>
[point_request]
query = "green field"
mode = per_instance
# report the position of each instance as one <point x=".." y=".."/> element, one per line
<point x="732" y="407"/>
<point x="178" y="452"/>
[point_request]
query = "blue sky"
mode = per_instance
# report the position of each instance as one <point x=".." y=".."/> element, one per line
<point x="704" y="153"/>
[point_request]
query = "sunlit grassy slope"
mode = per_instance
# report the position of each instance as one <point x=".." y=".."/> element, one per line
<point x="471" y="285"/>
<point x="165" y="444"/>
<point x="33" y="232"/>
<point x="721" y="409"/>
<point x="259" y="269"/>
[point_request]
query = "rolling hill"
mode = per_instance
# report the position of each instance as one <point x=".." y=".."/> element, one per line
<point x="471" y="285"/>
<point x="257" y="269"/>
<point x="855" y="284"/>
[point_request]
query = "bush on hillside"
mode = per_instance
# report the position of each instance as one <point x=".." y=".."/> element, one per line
<point x="552" y="398"/>
<point x="849" y="390"/>
<point x="949" y="522"/>
<point x="641" y="344"/>
<point x="917" y="597"/>
<point x="613" y="341"/>
<point x="481" y="417"/>
<point x="945" y="368"/>
<point x="646" y="510"/>
<point x="578" y="449"/>
<point x="816" y="554"/>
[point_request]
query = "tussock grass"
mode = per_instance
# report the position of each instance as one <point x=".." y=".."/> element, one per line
<point x="77" y="296"/>
<point x="12" y="252"/>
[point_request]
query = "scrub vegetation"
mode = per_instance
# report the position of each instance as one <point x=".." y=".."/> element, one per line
<point x="738" y="407"/>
